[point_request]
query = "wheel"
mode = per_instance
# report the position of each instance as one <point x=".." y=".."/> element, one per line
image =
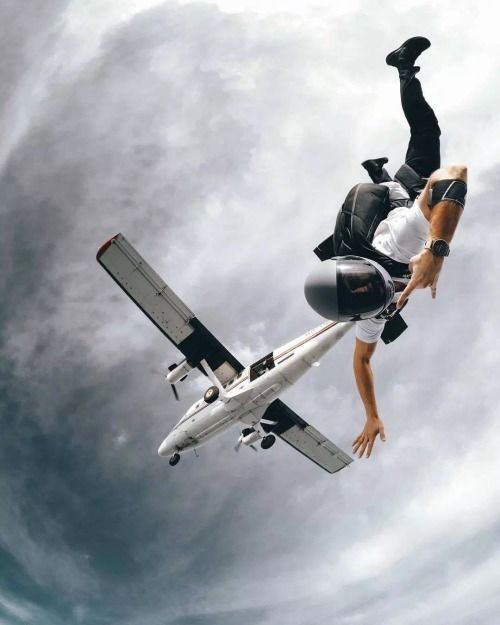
<point x="174" y="460"/>
<point x="211" y="394"/>
<point x="268" y="441"/>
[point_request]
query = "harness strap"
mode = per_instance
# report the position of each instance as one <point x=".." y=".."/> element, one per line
<point x="410" y="180"/>
<point x="401" y="202"/>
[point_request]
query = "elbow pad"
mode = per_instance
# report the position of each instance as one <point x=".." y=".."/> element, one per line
<point x="451" y="190"/>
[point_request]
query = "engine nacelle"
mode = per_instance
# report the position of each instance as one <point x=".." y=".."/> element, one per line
<point x="179" y="372"/>
<point x="250" y="436"/>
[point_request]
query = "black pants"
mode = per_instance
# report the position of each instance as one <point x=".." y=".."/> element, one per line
<point x="423" y="153"/>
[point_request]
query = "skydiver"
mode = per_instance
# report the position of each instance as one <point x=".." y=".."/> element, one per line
<point x="424" y="203"/>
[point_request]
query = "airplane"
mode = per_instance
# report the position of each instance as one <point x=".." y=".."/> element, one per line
<point x="237" y="394"/>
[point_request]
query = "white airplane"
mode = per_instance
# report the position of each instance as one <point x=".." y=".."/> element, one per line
<point x="237" y="394"/>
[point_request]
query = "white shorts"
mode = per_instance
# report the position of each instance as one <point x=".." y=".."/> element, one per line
<point x="369" y="330"/>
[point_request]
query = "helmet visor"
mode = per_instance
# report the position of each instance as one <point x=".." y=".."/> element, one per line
<point x="361" y="288"/>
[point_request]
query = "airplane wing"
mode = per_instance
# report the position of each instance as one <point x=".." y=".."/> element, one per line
<point x="169" y="314"/>
<point x="306" y="439"/>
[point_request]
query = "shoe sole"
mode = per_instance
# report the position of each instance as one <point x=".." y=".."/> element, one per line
<point x="415" y="45"/>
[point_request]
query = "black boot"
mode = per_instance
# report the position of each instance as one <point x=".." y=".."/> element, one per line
<point x="405" y="56"/>
<point x="376" y="171"/>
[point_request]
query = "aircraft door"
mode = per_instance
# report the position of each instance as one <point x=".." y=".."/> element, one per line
<point x="261" y="366"/>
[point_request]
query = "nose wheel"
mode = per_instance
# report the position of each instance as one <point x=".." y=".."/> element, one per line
<point x="174" y="459"/>
<point x="268" y="441"/>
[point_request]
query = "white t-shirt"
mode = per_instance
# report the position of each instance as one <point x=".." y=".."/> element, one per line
<point x="401" y="235"/>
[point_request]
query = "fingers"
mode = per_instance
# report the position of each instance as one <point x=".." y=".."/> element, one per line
<point x="434" y="286"/>
<point x="424" y="273"/>
<point x="357" y="443"/>
<point x="361" y="443"/>
<point x="417" y="282"/>
<point x="411" y="286"/>
<point x="382" y="434"/>
<point x="366" y="441"/>
<point x="370" y="447"/>
<point x="405" y="295"/>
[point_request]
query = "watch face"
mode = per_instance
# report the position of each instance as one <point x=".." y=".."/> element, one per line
<point x="441" y="248"/>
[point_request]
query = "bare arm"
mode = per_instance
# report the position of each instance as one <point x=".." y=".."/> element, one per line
<point x="364" y="376"/>
<point x="443" y="218"/>
<point x="366" y="387"/>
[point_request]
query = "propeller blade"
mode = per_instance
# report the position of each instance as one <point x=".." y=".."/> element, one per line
<point x="239" y="442"/>
<point x="174" y="390"/>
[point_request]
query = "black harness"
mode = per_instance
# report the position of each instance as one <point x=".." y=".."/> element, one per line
<point x="365" y="206"/>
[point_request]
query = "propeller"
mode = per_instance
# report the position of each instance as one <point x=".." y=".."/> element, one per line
<point x="164" y="376"/>
<point x="240" y="442"/>
<point x="174" y="391"/>
<point x="172" y="386"/>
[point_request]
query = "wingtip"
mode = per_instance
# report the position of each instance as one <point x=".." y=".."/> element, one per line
<point x="105" y="246"/>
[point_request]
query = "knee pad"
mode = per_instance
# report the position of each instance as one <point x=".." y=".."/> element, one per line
<point x="452" y="190"/>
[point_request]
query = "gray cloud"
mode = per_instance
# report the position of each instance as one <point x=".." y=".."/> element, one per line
<point x="24" y="38"/>
<point x="221" y="145"/>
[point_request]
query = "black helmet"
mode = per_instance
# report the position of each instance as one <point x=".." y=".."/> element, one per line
<point x="349" y="288"/>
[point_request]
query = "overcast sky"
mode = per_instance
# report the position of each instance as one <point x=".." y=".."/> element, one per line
<point x="221" y="138"/>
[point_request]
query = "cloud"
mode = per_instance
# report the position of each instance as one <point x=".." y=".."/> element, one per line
<point x="17" y="609"/>
<point x="221" y="140"/>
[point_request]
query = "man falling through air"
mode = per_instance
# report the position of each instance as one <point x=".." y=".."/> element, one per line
<point x="409" y="238"/>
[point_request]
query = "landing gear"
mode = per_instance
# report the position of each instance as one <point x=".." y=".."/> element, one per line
<point x="268" y="441"/>
<point x="211" y="394"/>
<point x="174" y="459"/>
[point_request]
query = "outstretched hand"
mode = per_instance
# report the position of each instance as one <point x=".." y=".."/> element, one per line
<point x="366" y="440"/>
<point x="425" y="268"/>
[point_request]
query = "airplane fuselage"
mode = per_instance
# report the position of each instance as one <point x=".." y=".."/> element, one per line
<point x="247" y="395"/>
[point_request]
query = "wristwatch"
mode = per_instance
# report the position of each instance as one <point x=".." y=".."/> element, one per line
<point x="438" y="247"/>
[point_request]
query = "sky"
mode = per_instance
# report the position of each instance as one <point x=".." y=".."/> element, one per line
<point x="221" y="138"/>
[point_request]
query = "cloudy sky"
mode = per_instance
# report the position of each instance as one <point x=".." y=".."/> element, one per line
<point x="221" y="138"/>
